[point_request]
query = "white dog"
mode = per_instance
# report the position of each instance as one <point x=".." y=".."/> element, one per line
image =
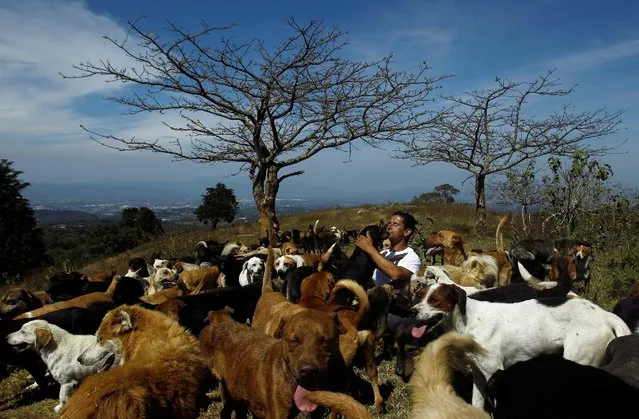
<point x="59" y="350"/>
<point x="252" y="271"/>
<point x="520" y="331"/>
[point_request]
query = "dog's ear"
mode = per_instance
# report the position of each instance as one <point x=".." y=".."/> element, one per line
<point x="460" y="294"/>
<point x="245" y="266"/>
<point x="338" y="324"/>
<point x="42" y="337"/>
<point x="124" y="322"/>
<point x="279" y="332"/>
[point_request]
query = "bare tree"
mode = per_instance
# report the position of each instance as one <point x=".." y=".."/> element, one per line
<point x="267" y="109"/>
<point x="488" y="132"/>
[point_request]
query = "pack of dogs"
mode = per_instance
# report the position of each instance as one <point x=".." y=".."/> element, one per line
<point x="276" y="330"/>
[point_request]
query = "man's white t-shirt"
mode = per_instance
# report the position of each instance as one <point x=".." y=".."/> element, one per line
<point x="406" y="258"/>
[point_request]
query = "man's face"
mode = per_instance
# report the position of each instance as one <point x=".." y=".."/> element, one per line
<point x="396" y="230"/>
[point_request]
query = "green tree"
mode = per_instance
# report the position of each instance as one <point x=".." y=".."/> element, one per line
<point x="447" y="192"/>
<point x="142" y="220"/>
<point x="443" y="193"/>
<point x="21" y="243"/>
<point x="571" y="191"/>
<point x="218" y="203"/>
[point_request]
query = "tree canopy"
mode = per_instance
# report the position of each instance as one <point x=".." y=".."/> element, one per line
<point x="21" y="243"/>
<point x="218" y="204"/>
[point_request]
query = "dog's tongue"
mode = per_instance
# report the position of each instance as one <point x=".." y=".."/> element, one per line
<point x="431" y="250"/>
<point x="300" y="400"/>
<point x="418" y="332"/>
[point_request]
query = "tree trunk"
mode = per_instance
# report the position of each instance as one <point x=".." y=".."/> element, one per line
<point x="265" y="187"/>
<point x="480" y="199"/>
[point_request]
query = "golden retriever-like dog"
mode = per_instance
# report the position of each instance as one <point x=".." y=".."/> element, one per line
<point x="151" y="367"/>
<point x="450" y="243"/>
<point x="479" y="271"/>
<point x="432" y="394"/>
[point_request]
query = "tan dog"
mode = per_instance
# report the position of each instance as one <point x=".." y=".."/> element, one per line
<point x="432" y="394"/>
<point x="20" y="300"/>
<point x="104" y="276"/>
<point x="504" y="264"/>
<point x="450" y="242"/>
<point x="286" y="263"/>
<point x="162" y="373"/>
<point x="83" y="301"/>
<point x="272" y="376"/>
<point x="289" y="248"/>
<point x="479" y="271"/>
<point x="198" y="280"/>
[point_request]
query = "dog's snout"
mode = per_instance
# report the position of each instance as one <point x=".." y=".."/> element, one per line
<point x="413" y="312"/>
<point x="306" y="370"/>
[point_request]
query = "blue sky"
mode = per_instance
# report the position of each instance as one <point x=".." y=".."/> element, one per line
<point x="591" y="43"/>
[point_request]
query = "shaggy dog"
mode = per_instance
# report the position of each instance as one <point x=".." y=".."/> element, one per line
<point x="432" y="394"/>
<point x="479" y="271"/>
<point x="511" y="332"/>
<point x="158" y="371"/>
<point x="20" y="300"/>
<point x="59" y="350"/>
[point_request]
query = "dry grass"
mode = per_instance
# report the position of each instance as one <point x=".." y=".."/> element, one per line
<point x="14" y="403"/>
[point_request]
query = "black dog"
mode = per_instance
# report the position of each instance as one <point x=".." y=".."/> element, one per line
<point x="628" y="310"/>
<point x="360" y="266"/>
<point x="550" y="386"/>
<point x="293" y="280"/>
<point x="622" y="359"/>
<point x="542" y="252"/>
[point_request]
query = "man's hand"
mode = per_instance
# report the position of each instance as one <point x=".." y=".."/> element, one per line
<point x="365" y="243"/>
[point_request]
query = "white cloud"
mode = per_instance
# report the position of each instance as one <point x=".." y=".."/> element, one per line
<point x="597" y="57"/>
<point x="40" y="39"/>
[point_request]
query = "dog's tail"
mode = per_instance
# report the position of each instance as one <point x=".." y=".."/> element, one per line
<point x="325" y="257"/>
<point x="359" y="293"/>
<point x="499" y="234"/>
<point x="536" y="283"/>
<point x="315" y="226"/>
<point x="339" y="403"/>
<point x="203" y="243"/>
<point x="267" y="286"/>
<point x="431" y="382"/>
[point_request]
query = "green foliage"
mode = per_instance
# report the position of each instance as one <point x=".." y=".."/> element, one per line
<point x="570" y="192"/>
<point x="21" y="244"/>
<point x="520" y="187"/>
<point x="218" y="204"/>
<point x="142" y="220"/>
<point x="441" y="194"/>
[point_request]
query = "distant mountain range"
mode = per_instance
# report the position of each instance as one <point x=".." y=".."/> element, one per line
<point x="190" y="192"/>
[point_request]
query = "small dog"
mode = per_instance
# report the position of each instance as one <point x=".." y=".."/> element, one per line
<point x="252" y="271"/>
<point x="59" y="350"/>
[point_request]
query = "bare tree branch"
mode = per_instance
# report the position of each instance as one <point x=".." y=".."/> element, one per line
<point x="489" y="131"/>
<point x="265" y="108"/>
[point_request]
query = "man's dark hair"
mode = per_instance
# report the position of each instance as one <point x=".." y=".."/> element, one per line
<point x="409" y="220"/>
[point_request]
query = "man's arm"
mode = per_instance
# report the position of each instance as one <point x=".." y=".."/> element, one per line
<point x="392" y="271"/>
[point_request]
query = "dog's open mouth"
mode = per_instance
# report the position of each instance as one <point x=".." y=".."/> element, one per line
<point x="432" y="250"/>
<point x="423" y="326"/>
<point x="301" y="402"/>
<point x="107" y="364"/>
<point x="20" y="347"/>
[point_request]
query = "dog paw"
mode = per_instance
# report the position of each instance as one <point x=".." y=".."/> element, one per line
<point x="57" y="408"/>
<point x="32" y="387"/>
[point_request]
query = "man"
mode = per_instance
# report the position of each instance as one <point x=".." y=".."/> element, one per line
<point x="398" y="263"/>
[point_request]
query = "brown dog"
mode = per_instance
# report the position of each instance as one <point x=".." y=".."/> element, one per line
<point x="289" y="248"/>
<point x="504" y="264"/>
<point x="20" y="300"/>
<point x="162" y="372"/>
<point x="450" y="242"/>
<point x="272" y="376"/>
<point x="198" y="280"/>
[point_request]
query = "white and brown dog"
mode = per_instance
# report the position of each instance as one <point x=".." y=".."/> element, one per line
<point x="286" y="263"/>
<point x="59" y="350"/>
<point x="517" y="332"/>
<point x="252" y="271"/>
